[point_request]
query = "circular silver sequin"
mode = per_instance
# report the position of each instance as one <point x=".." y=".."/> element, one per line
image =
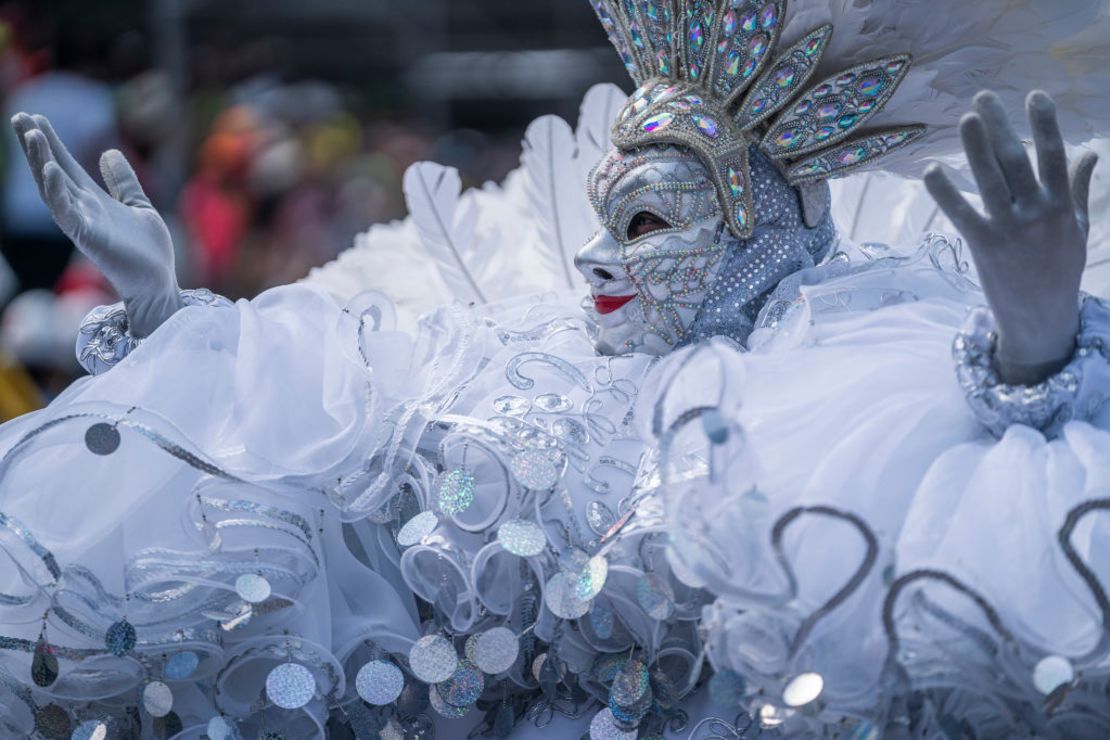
<point x="157" y="699"/>
<point x="1051" y="673"/>
<point x="53" y="723"/>
<point x="220" y="728"/>
<point x="561" y="597"/>
<point x="803" y="689"/>
<point x="604" y="727"/>
<point x="102" y="439"/>
<point x="252" y="588"/>
<point x="538" y="663"/>
<point x="450" y="711"/>
<point x="120" y="638"/>
<point x="379" y="682"/>
<point x="417" y="528"/>
<point x="771" y="716"/>
<point x="522" y="537"/>
<point x="433" y="659"/>
<point x="464" y="687"/>
<point x="591" y="578"/>
<point x="90" y="730"/>
<point x="630" y="694"/>
<point x="534" y="469"/>
<point x="181" y="665"/>
<point x="456" y="492"/>
<point x="290" y="686"/>
<point x="655" y="595"/>
<point x="496" y="651"/>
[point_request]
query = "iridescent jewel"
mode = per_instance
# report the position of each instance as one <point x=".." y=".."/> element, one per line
<point x="851" y="156"/>
<point x="759" y="106"/>
<point x="742" y="216"/>
<point x="733" y="63"/>
<point x="637" y="108"/>
<point x="848" y="121"/>
<point x="663" y="62"/>
<point x="811" y="169"/>
<point x="803" y="107"/>
<point x="697" y="36"/>
<point x="828" y="111"/>
<point x="735" y="182"/>
<point x="894" y="67"/>
<point x="749" y="68"/>
<point x="866" y="106"/>
<point x="822" y="91"/>
<point x="748" y="21"/>
<point x="787" y="139"/>
<point x="694" y="100"/>
<point x="784" y="77"/>
<point x="666" y="93"/>
<point x="897" y="138"/>
<point x="658" y="122"/>
<point x="845" y="79"/>
<point x="681" y="105"/>
<point x="651" y="11"/>
<point x="758" y="45"/>
<point x="706" y="125"/>
<point x="637" y="37"/>
<point x="730" y="23"/>
<point x="694" y="71"/>
<point x="812" y="47"/>
<point x="870" y="86"/>
<point x="722" y="45"/>
<point x="824" y="133"/>
<point x="768" y="16"/>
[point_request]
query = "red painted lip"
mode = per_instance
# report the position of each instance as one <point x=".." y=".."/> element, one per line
<point x="610" y="303"/>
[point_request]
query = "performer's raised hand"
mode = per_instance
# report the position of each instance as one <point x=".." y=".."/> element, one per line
<point x="118" y="230"/>
<point x="1031" y="245"/>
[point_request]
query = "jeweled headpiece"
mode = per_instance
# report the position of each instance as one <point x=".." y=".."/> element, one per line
<point x="712" y="79"/>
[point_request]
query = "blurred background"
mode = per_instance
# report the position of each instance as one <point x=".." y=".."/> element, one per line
<point x="267" y="133"/>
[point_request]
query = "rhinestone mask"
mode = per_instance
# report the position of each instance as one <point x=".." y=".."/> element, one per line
<point x="695" y="279"/>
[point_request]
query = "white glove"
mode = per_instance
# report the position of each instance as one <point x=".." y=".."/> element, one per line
<point x="1031" y="247"/>
<point x="122" y="233"/>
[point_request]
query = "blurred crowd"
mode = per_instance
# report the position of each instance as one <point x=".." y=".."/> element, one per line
<point x="259" y="178"/>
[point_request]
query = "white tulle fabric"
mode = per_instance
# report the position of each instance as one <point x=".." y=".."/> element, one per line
<point x="850" y="402"/>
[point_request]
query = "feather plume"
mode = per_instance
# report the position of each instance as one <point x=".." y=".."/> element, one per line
<point x="446" y="229"/>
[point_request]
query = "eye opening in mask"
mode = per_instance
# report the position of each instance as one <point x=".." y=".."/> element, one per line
<point x="644" y="223"/>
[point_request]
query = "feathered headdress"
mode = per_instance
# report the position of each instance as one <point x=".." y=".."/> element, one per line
<point x="719" y="76"/>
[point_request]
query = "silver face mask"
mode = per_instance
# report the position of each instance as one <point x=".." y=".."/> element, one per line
<point x="665" y="271"/>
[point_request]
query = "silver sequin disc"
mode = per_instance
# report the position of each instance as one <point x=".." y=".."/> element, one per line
<point x="91" y="730"/>
<point x="157" y="699"/>
<point x="534" y="469"/>
<point x="771" y="716"/>
<point x="803" y="689"/>
<point x="464" y="687"/>
<point x="221" y="729"/>
<point x="444" y="709"/>
<point x="561" y="597"/>
<point x="1052" y="673"/>
<point x="655" y="595"/>
<point x="120" y="638"/>
<point x="53" y="723"/>
<point x="180" y="666"/>
<point x="252" y="588"/>
<point x="522" y="537"/>
<point x="591" y="579"/>
<point x="433" y="659"/>
<point x="102" y="439"/>
<point x="456" y="492"/>
<point x="496" y="651"/>
<point x="290" y="686"/>
<point x="604" y="727"/>
<point x="417" y="528"/>
<point x="379" y="682"/>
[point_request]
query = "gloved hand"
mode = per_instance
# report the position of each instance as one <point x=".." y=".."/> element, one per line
<point x="1031" y="248"/>
<point x="121" y="232"/>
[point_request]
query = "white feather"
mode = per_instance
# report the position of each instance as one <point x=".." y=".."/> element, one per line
<point x="445" y="225"/>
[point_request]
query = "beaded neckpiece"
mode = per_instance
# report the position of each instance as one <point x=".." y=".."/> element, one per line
<point x="711" y="79"/>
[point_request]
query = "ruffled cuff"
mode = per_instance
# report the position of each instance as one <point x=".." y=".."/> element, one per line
<point x="104" y="337"/>
<point x="1073" y="393"/>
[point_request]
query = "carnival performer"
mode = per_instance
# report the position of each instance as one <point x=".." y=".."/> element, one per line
<point x="739" y="489"/>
